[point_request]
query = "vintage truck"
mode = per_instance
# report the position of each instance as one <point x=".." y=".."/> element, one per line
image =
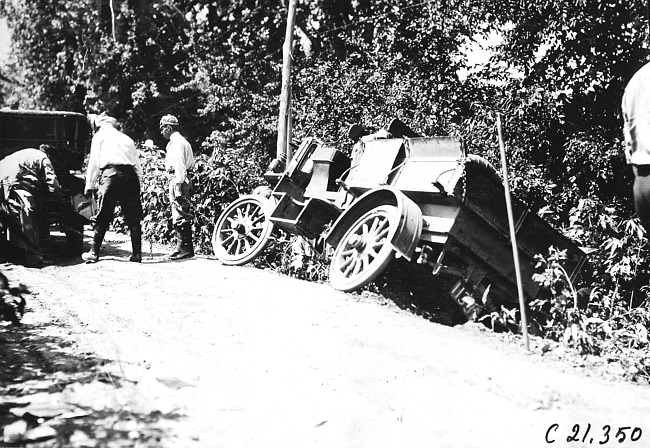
<point x="400" y="195"/>
<point x="69" y="134"/>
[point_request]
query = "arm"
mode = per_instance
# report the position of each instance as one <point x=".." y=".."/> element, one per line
<point x="50" y="176"/>
<point x="92" y="171"/>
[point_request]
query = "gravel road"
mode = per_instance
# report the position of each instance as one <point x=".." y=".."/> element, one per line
<point x="197" y="354"/>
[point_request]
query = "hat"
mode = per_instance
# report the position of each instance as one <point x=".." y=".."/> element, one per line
<point x="102" y="119"/>
<point x="168" y="120"/>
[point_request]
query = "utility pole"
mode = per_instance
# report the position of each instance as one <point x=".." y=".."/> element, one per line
<point x="284" y="121"/>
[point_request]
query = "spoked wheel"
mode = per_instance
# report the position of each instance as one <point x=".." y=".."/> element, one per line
<point x="364" y="251"/>
<point x="242" y="231"/>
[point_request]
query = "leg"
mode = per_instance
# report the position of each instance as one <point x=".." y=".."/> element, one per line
<point x="136" y="243"/>
<point x="131" y="204"/>
<point x="92" y="256"/>
<point x="106" y="202"/>
<point x="182" y="223"/>
<point x="641" y="190"/>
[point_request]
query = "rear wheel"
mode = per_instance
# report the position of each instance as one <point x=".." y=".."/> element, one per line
<point x="242" y="231"/>
<point x="364" y="250"/>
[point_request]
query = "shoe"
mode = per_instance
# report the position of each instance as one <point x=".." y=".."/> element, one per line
<point x="182" y="255"/>
<point x="136" y="258"/>
<point x="90" y="257"/>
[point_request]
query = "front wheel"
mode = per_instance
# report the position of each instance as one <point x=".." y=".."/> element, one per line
<point x="364" y="250"/>
<point x="242" y="231"/>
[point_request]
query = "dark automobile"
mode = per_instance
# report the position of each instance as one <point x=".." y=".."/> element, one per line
<point x="69" y="134"/>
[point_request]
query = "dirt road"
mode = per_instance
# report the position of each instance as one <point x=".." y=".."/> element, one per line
<point x="197" y="354"/>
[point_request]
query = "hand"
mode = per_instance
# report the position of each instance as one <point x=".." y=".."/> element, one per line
<point x="89" y="193"/>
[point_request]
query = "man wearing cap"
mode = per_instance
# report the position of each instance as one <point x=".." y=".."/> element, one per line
<point x="179" y="161"/>
<point x="115" y="165"/>
<point x="636" y="130"/>
<point x="25" y="177"/>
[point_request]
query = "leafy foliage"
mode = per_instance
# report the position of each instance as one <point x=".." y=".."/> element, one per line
<point x="12" y="300"/>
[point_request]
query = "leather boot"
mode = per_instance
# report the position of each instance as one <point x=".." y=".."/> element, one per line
<point x="187" y="248"/>
<point x="136" y="243"/>
<point x="179" y="241"/>
<point x="92" y="256"/>
<point x="187" y="238"/>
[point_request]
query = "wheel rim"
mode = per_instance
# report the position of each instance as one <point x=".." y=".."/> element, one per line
<point x="242" y="231"/>
<point x="364" y="251"/>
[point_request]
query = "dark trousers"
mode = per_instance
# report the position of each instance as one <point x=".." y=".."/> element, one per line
<point x="641" y="190"/>
<point x="118" y="184"/>
<point x="23" y="217"/>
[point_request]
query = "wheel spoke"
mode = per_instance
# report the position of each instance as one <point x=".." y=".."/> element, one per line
<point x="358" y="266"/>
<point x="345" y="262"/>
<point x="231" y="246"/>
<point x="366" y="260"/>
<point x="258" y="217"/>
<point x="382" y="234"/>
<point x="229" y="238"/>
<point x="349" y="266"/>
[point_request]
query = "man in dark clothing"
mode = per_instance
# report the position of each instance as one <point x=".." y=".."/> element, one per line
<point x="115" y="164"/>
<point x="25" y="177"/>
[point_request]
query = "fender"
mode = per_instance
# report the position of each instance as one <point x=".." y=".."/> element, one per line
<point x="404" y="236"/>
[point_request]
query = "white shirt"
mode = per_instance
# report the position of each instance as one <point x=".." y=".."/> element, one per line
<point x="110" y="147"/>
<point x="179" y="157"/>
<point x="636" y="116"/>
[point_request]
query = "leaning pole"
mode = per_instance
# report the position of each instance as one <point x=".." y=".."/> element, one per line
<point x="513" y="236"/>
<point x="284" y="121"/>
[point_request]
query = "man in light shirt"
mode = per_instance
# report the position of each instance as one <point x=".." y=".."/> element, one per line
<point x="636" y="129"/>
<point x="179" y="162"/>
<point x="115" y="166"/>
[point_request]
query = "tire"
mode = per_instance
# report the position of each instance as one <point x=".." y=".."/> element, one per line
<point x="364" y="250"/>
<point x="242" y="231"/>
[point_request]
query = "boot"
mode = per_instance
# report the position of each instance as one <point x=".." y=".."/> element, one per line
<point x="187" y="236"/>
<point x="92" y="256"/>
<point x="136" y="243"/>
<point x="179" y="242"/>
<point x="187" y="248"/>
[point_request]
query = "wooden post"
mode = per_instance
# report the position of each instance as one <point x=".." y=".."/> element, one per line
<point x="284" y="136"/>
<point x="513" y="237"/>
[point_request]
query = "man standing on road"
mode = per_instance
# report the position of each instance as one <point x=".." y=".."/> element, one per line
<point x="636" y="129"/>
<point x="25" y="177"/>
<point x="114" y="162"/>
<point x="179" y="162"/>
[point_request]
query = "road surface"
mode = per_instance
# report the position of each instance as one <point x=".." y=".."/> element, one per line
<point x="197" y="354"/>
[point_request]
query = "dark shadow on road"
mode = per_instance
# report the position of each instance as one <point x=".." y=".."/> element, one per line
<point x="412" y="287"/>
<point x="49" y="390"/>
